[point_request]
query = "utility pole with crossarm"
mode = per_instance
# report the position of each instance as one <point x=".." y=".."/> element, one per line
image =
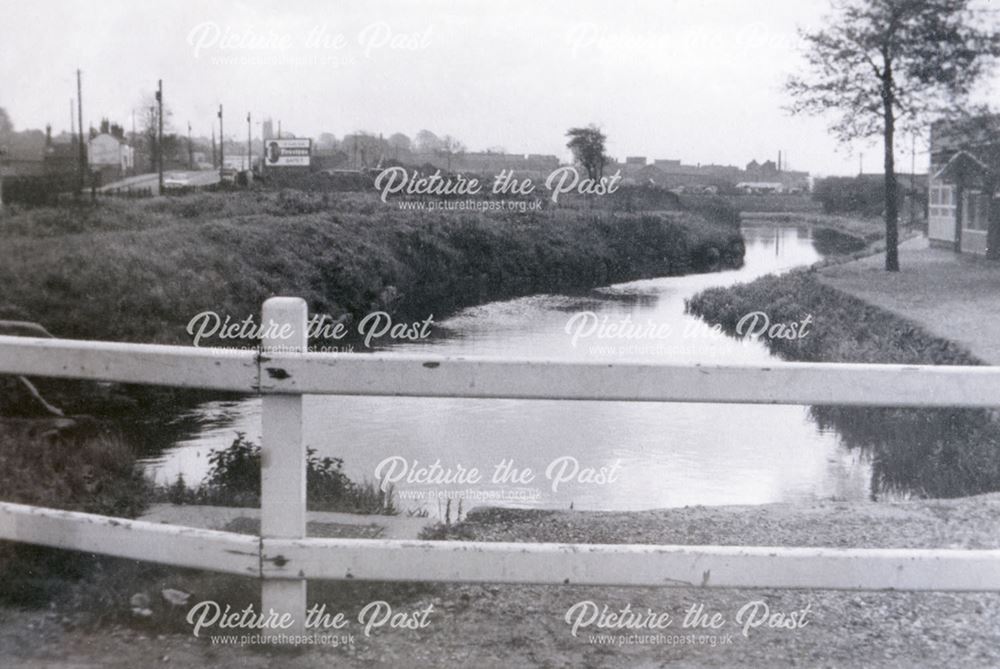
<point x="159" y="133"/>
<point x="222" y="146"/>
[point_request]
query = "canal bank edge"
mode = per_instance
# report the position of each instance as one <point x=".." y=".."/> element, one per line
<point x="928" y="453"/>
<point x="140" y="271"/>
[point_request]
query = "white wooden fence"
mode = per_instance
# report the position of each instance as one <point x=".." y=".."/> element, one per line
<point x="284" y="558"/>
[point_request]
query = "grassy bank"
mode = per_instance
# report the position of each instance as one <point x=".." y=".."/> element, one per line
<point x="923" y="452"/>
<point x="140" y="270"/>
<point x="77" y="471"/>
<point x="95" y="471"/>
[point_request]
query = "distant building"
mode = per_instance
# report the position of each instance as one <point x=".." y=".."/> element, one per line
<point x="963" y="212"/>
<point x="61" y="158"/>
<point x="238" y="162"/>
<point x="771" y="172"/>
<point x="36" y="154"/>
<point x="761" y="171"/>
<point x="667" y="164"/>
<point x="482" y="162"/>
<point x="648" y="175"/>
<point x="760" y="187"/>
<point x="673" y="174"/>
<point x="110" y="156"/>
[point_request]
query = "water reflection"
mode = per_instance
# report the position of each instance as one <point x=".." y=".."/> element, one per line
<point x="925" y="452"/>
<point x="664" y="454"/>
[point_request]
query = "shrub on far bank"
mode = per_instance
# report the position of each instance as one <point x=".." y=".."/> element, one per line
<point x="234" y="480"/>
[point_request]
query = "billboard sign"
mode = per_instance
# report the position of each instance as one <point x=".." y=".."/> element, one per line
<point x="287" y="152"/>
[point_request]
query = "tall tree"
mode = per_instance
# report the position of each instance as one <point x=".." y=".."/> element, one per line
<point x="148" y="113"/>
<point x="427" y="141"/>
<point x="6" y="126"/>
<point x="326" y="142"/>
<point x="884" y="66"/>
<point x="399" y="142"/>
<point x="451" y="147"/>
<point x="366" y="150"/>
<point x="587" y="145"/>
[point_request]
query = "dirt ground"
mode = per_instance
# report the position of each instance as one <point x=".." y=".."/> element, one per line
<point x="514" y="626"/>
<point x="954" y="296"/>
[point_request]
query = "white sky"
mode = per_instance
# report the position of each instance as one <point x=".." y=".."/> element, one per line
<point x="698" y="80"/>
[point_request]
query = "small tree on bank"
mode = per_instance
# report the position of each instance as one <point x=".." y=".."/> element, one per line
<point x="587" y="145"/>
<point x="888" y="65"/>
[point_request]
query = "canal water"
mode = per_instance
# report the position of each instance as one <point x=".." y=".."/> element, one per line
<point x="591" y="455"/>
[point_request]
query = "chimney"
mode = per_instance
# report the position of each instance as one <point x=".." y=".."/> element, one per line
<point x="779" y="160"/>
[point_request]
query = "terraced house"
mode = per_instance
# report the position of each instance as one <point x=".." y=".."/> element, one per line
<point x="964" y="196"/>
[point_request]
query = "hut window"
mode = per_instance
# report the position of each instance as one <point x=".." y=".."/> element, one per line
<point x="976" y="211"/>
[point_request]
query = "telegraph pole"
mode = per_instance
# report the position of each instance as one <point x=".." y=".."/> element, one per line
<point x="79" y="125"/>
<point x="132" y="144"/>
<point x="913" y="179"/>
<point x="249" y="146"/>
<point x="222" y="145"/>
<point x="159" y="132"/>
<point x="190" y="150"/>
<point x="3" y="159"/>
<point x="153" y="146"/>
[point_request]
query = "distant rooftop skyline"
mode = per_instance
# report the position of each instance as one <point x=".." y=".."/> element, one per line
<point x="697" y="81"/>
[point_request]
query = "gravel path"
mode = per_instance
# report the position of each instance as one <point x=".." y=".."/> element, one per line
<point x="223" y="517"/>
<point x="514" y="626"/>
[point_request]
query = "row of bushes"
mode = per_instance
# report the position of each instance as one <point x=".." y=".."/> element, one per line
<point x="802" y="203"/>
<point x="864" y="195"/>
<point x="37" y="190"/>
<point x="925" y="452"/>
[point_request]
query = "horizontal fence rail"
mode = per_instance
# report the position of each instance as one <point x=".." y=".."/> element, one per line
<point x="633" y="564"/>
<point x="141" y="540"/>
<point x="503" y="562"/>
<point x="177" y="366"/>
<point x="801" y="383"/>
<point x="283" y="557"/>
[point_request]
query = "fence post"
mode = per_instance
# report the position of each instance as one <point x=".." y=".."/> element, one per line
<point x="283" y="463"/>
